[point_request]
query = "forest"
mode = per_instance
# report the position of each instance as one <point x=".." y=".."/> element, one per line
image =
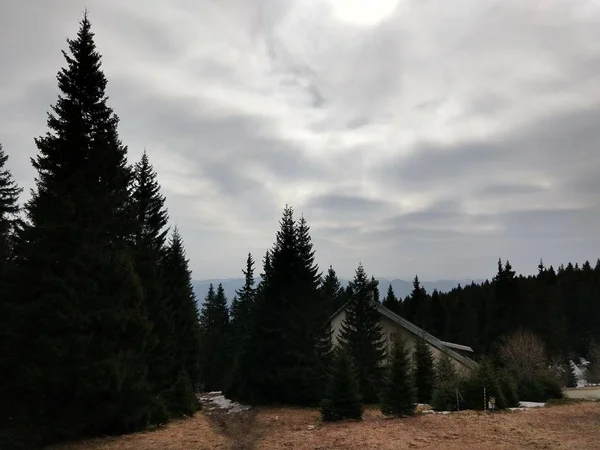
<point x="100" y="331"/>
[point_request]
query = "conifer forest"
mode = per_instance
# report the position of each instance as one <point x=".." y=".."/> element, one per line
<point x="101" y="333"/>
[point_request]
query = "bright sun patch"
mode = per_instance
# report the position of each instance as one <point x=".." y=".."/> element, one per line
<point x="362" y="12"/>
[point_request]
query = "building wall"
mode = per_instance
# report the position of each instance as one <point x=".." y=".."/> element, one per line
<point x="391" y="330"/>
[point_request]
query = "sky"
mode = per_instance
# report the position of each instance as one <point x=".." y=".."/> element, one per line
<point x="415" y="136"/>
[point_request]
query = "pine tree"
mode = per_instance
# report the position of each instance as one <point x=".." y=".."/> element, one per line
<point x="186" y="350"/>
<point x="214" y="324"/>
<point x="398" y="392"/>
<point x="472" y="389"/>
<point x="362" y="336"/>
<point x="424" y="370"/>
<point x="78" y="354"/>
<point x="445" y="385"/>
<point x="342" y="399"/>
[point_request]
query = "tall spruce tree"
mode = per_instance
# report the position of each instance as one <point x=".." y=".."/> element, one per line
<point x="361" y="334"/>
<point x="9" y="207"/>
<point x="77" y="354"/>
<point x="186" y="348"/>
<point x="148" y="242"/>
<point x="241" y="306"/>
<point x="424" y="370"/>
<point x="214" y="324"/>
<point x="397" y="396"/>
<point x="278" y="362"/>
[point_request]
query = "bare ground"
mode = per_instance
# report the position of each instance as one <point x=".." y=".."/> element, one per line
<point x="558" y="427"/>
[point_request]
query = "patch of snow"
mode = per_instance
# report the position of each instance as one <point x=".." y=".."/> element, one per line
<point x="311" y="427"/>
<point x="218" y="400"/>
<point x="431" y="411"/>
<point x="517" y="409"/>
<point x="531" y="404"/>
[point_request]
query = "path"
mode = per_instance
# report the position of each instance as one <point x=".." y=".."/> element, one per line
<point x="234" y="420"/>
<point x="589" y="393"/>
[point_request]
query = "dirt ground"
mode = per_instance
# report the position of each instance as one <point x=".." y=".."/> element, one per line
<point x="198" y="432"/>
<point x="558" y="427"/>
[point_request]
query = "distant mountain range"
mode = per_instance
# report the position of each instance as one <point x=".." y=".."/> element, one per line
<point x="402" y="288"/>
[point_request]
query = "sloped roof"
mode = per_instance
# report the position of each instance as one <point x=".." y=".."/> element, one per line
<point x="432" y="340"/>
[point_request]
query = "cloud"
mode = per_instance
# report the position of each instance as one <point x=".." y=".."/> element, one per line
<point x="429" y="141"/>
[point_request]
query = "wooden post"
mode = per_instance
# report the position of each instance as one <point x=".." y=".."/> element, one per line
<point x="484" y="401"/>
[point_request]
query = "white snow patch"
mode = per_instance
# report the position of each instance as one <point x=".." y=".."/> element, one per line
<point x="531" y="404"/>
<point x="431" y="411"/>
<point x="217" y="400"/>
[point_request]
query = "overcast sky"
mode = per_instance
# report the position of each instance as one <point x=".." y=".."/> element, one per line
<point x="419" y="136"/>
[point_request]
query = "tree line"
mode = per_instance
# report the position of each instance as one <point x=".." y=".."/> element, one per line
<point x="561" y="306"/>
<point x="99" y="329"/>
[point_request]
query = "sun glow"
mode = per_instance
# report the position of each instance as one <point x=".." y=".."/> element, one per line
<point x="362" y="12"/>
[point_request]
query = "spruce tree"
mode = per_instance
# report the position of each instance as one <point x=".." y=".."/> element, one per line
<point x="390" y="301"/>
<point x="186" y="350"/>
<point x="397" y="396"/>
<point x="279" y="359"/>
<point x="78" y="354"/>
<point x="445" y="384"/>
<point x="570" y="378"/>
<point x="342" y="399"/>
<point x="241" y="306"/>
<point x="148" y="243"/>
<point x="361" y="334"/>
<point x="332" y="291"/>
<point x="214" y="325"/>
<point x="424" y="370"/>
<point x="9" y="207"/>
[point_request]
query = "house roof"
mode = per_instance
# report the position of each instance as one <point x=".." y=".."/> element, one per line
<point x="432" y="340"/>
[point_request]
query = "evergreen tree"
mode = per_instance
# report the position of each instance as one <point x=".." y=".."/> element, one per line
<point x="148" y="243"/>
<point x="9" y="207"/>
<point x="416" y="306"/>
<point x="280" y="356"/>
<point x="424" y="370"/>
<point x="214" y="325"/>
<point x="437" y="314"/>
<point x="362" y="335"/>
<point x="242" y="304"/>
<point x="390" y="301"/>
<point x="77" y="362"/>
<point x="342" y="399"/>
<point x="186" y="350"/>
<point x="571" y="378"/>
<point x="332" y="292"/>
<point x="398" y="392"/>
<point x="472" y="389"/>
<point x="445" y="384"/>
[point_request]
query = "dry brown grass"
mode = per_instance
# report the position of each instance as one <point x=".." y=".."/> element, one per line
<point x="568" y="426"/>
<point x="198" y="433"/>
<point x="559" y="427"/>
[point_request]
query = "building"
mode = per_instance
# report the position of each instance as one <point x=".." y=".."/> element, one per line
<point x="394" y="326"/>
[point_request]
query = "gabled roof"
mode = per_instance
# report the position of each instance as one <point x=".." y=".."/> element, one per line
<point x="432" y="340"/>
